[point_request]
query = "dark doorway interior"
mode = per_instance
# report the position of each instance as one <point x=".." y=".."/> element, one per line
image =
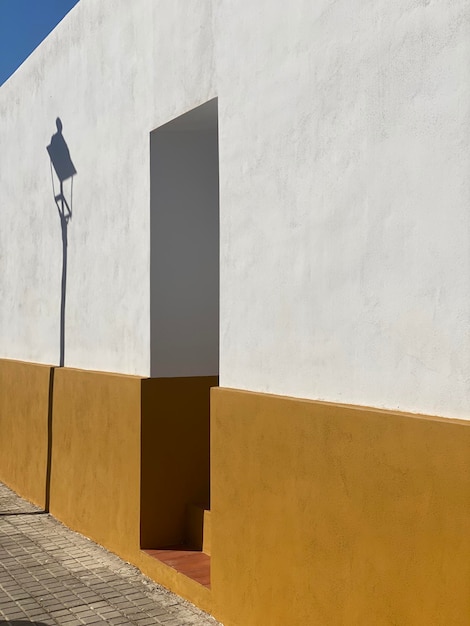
<point x="184" y="331"/>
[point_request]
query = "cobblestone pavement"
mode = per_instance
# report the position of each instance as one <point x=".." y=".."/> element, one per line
<point x="51" y="575"/>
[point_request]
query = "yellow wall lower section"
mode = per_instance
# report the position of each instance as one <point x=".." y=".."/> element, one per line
<point x="99" y="420"/>
<point x="322" y="514"/>
<point x="332" y="515"/>
<point x="95" y="479"/>
<point x="24" y="411"/>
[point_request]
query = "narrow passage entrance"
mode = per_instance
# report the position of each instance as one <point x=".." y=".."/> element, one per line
<point x="175" y="487"/>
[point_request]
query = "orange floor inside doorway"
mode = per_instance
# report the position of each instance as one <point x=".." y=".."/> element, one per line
<point x="191" y="563"/>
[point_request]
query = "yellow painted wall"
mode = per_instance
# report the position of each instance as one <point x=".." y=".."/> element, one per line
<point x="24" y="409"/>
<point x="96" y="460"/>
<point x="332" y="515"/>
<point x="175" y="455"/>
<point x="321" y="514"/>
<point x="95" y="472"/>
<point x="95" y="479"/>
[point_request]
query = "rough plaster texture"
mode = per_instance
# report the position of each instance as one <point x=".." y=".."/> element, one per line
<point x="344" y="191"/>
<point x="111" y="76"/>
<point x="345" y="195"/>
<point x="333" y="515"/>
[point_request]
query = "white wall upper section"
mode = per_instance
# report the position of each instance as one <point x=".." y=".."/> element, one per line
<point x="112" y="74"/>
<point x="344" y="191"/>
<point x="345" y="200"/>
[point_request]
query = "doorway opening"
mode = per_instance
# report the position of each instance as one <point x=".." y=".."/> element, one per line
<point x="184" y="309"/>
<point x="184" y="166"/>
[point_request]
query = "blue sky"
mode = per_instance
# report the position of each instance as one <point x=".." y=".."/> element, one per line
<point x="23" y="25"/>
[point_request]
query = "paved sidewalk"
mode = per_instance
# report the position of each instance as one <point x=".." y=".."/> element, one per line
<point x="51" y="575"/>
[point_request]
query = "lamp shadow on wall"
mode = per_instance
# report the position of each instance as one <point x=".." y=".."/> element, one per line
<point x="61" y="163"/>
<point x="64" y="168"/>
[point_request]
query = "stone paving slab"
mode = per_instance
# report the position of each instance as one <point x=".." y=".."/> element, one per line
<point x="50" y="575"/>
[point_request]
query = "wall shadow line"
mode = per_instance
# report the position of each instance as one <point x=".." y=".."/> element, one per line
<point x="13" y="513"/>
<point x="64" y="168"/>
<point x="47" y="497"/>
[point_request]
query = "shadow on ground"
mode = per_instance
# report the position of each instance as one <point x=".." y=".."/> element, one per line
<point x="8" y="513"/>
<point x="22" y="622"/>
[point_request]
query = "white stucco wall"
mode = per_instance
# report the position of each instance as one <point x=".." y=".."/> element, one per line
<point x="111" y="74"/>
<point x="344" y="191"/>
<point x="345" y="201"/>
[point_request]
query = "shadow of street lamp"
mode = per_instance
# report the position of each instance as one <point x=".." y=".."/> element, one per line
<point x="64" y="168"/>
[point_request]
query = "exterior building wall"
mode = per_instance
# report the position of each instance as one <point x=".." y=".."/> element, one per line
<point x="25" y="396"/>
<point x="111" y="76"/>
<point x="337" y="515"/>
<point x="344" y="194"/>
<point x="96" y="457"/>
<point x="344" y="275"/>
<point x="343" y="182"/>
